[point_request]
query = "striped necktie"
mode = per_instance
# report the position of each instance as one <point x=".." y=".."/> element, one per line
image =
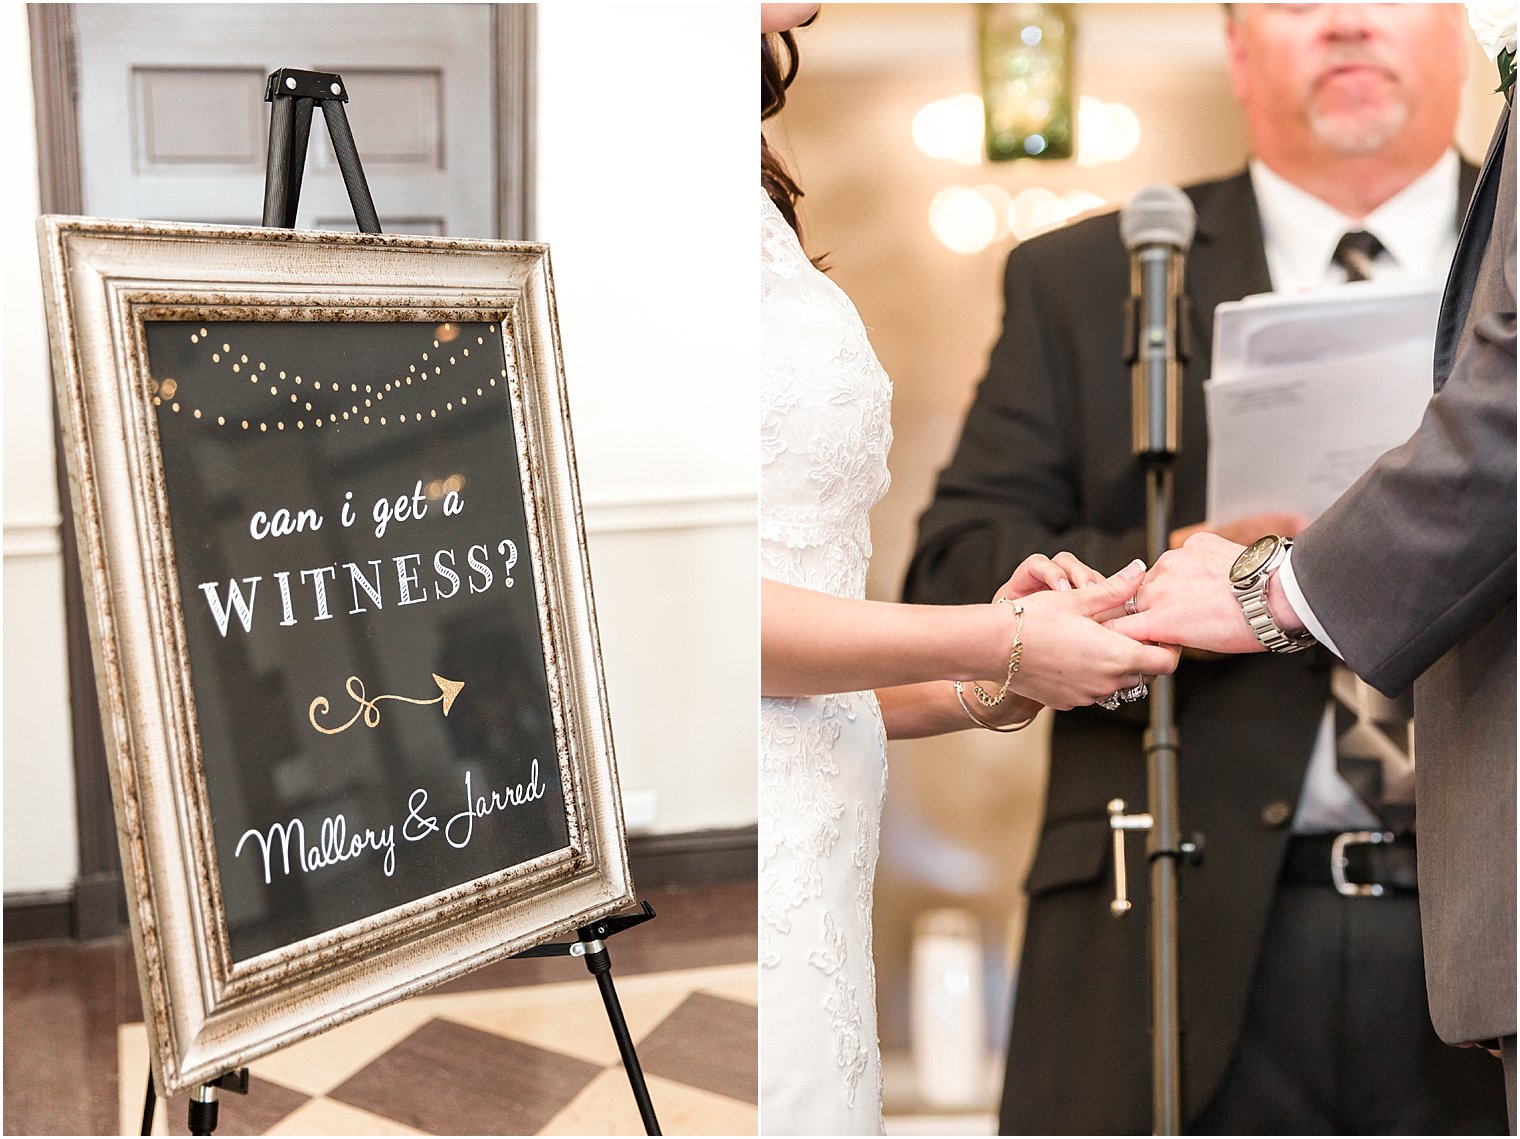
<point x="1355" y="253"/>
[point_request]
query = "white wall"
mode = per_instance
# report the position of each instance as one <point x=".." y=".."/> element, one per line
<point x="39" y="842"/>
<point x="647" y="167"/>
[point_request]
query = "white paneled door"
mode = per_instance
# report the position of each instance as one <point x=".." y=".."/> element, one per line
<point x="173" y="123"/>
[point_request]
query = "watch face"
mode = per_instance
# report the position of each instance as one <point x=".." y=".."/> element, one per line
<point x="1253" y="557"/>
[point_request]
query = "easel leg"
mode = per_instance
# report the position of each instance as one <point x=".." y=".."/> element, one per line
<point x="282" y="121"/>
<point x="300" y="134"/>
<point x="347" y="155"/>
<point x="289" y="129"/>
<point x="150" y="1102"/>
<point x="203" y="1109"/>
<point x="600" y="965"/>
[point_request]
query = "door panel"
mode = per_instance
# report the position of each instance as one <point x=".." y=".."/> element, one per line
<point x="225" y="134"/>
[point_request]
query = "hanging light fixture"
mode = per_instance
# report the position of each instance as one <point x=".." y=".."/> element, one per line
<point x="1028" y="84"/>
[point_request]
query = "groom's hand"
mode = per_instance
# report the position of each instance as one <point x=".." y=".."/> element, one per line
<point x="1186" y="599"/>
<point x="1243" y="530"/>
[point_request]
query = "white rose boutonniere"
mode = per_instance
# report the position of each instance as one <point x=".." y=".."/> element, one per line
<point x="1493" y="21"/>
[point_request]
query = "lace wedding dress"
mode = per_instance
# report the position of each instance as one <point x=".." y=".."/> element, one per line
<point x="823" y="453"/>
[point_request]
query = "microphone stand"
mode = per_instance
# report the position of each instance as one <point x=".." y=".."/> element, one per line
<point x="1156" y="404"/>
<point x="1164" y="840"/>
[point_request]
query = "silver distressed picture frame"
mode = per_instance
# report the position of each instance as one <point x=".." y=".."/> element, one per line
<point x="206" y="1012"/>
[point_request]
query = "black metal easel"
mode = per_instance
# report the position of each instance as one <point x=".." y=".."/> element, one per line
<point x="590" y="944"/>
<point x="293" y="94"/>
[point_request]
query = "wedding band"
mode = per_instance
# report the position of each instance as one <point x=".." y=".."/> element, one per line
<point x="1110" y="702"/>
<point x="1130" y="606"/>
<point x="1138" y="692"/>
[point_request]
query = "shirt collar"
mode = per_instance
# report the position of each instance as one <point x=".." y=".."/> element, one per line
<point x="1416" y="226"/>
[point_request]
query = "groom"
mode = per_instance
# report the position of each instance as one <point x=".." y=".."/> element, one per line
<point x="1410" y="577"/>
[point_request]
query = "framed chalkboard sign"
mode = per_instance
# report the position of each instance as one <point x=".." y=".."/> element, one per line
<point x="341" y="614"/>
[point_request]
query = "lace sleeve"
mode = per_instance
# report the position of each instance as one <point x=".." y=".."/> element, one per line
<point x="780" y="250"/>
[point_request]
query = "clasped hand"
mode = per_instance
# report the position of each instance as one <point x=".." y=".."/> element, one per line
<point x="1081" y="642"/>
<point x="1185" y="599"/>
<point x="1070" y="659"/>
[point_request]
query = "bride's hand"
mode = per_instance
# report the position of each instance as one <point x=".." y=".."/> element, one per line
<point x="1038" y="572"/>
<point x="1069" y="659"/>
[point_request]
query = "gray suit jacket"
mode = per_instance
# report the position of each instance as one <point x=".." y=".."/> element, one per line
<point x="1412" y="573"/>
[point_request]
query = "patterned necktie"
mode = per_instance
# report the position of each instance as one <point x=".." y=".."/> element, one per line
<point x="1355" y="253"/>
<point x="1374" y="736"/>
<point x="1374" y="747"/>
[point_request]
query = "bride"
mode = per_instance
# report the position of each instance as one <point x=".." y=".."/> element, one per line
<point x="840" y="674"/>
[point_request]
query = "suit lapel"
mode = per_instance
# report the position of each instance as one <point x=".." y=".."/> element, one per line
<point x="1467" y="184"/>
<point x="1471" y="243"/>
<point x="1228" y="260"/>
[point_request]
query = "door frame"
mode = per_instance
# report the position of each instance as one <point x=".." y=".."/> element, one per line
<point x="97" y="907"/>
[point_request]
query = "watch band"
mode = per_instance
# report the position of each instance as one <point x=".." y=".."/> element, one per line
<point x="1267" y="631"/>
<point x="1252" y="595"/>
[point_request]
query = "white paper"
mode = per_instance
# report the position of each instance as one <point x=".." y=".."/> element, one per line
<point x="1308" y="389"/>
<point x="1279" y="329"/>
<point x="1295" y="437"/>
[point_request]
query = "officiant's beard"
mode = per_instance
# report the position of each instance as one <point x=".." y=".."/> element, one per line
<point x="1354" y="132"/>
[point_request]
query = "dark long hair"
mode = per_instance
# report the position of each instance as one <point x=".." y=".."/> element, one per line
<point x="775" y="77"/>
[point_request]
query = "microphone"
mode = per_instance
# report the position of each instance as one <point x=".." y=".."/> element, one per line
<point x="1157" y="228"/>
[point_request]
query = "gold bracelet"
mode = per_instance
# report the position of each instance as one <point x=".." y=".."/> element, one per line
<point x="1015" y="654"/>
<point x="959" y="695"/>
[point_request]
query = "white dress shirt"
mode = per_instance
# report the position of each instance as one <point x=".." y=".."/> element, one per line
<point x="1417" y="228"/>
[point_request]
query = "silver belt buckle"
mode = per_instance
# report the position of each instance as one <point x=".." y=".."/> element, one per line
<point x="1339" y="861"/>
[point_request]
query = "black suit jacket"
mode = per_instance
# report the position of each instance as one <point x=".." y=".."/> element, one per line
<point x="1044" y="464"/>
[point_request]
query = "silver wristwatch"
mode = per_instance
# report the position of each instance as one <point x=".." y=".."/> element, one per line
<point x="1248" y="578"/>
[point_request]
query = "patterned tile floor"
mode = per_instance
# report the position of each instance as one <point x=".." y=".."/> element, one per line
<point x="532" y="1060"/>
<point x="517" y="1048"/>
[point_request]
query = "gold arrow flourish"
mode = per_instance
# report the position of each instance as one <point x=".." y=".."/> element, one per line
<point x="370" y="709"/>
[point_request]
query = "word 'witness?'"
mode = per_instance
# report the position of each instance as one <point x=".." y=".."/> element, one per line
<point x="363" y="583"/>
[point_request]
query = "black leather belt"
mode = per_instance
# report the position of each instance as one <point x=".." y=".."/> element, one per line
<point x="1366" y="864"/>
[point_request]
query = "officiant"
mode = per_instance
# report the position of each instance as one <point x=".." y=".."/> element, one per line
<point x="1303" y="1001"/>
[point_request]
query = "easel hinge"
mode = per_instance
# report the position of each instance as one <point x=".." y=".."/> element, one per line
<point x="296" y="84"/>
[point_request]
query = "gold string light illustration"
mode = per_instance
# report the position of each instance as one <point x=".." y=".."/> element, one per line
<point x="257" y="372"/>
